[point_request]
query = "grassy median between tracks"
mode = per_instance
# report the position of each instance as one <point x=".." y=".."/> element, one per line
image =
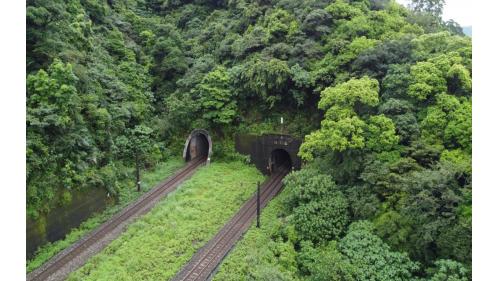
<point x="261" y="254"/>
<point x="127" y="195"/>
<point x="157" y="245"/>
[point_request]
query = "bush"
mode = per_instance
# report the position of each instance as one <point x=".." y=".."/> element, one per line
<point x="319" y="209"/>
<point x="448" y="270"/>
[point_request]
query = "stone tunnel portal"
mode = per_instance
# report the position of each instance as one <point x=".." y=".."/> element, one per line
<point x="198" y="144"/>
<point x="268" y="151"/>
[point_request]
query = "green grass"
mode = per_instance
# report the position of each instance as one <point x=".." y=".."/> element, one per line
<point x="127" y="195"/>
<point x="157" y="245"/>
<point x="262" y="254"/>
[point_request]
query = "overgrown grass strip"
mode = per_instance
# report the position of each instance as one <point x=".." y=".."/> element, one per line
<point x="257" y="256"/>
<point x="157" y="245"/>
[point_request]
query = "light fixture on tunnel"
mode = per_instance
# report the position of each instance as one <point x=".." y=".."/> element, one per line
<point x="281" y="121"/>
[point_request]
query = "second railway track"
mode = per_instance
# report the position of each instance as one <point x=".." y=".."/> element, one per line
<point x="203" y="264"/>
<point x="70" y="259"/>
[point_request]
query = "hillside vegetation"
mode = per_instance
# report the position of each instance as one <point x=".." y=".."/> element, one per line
<point x="380" y="93"/>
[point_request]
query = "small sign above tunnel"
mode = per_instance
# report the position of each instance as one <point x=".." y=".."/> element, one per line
<point x="270" y="151"/>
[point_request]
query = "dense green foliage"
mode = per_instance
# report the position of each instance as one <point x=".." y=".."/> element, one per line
<point x="280" y="251"/>
<point x="158" y="244"/>
<point x="380" y="93"/>
<point x="98" y="70"/>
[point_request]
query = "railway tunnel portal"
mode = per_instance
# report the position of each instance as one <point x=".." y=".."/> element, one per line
<point x="270" y="151"/>
<point x="198" y="144"/>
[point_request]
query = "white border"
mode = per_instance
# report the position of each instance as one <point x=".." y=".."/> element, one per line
<point x="486" y="141"/>
<point x="13" y="138"/>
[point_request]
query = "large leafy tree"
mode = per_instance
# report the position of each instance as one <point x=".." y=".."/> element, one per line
<point x="434" y="7"/>
<point x="136" y="147"/>
<point x="319" y="209"/>
<point x="360" y="255"/>
<point x="217" y="97"/>
<point x="448" y="270"/>
<point x="264" y="79"/>
<point x="373" y="258"/>
<point x="348" y="123"/>
<point x="60" y="150"/>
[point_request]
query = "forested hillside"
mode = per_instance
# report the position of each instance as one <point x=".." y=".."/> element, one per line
<point x="380" y="93"/>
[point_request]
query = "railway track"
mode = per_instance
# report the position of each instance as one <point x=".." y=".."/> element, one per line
<point x="70" y="259"/>
<point x="204" y="263"/>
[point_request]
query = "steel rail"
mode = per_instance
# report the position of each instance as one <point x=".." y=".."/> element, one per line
<point x="206" y="260"/>
<point x="134" y="209"/>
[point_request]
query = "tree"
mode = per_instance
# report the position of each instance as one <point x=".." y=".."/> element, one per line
<point x="343" y="128"/>
<point x="319" y="209"/>
<point x="375" y="62"/>
<point x="322" y="219"/>
<point x="317" y="23"/>
<point x="325" y="263"/>
<point x="278" y="24"/>
<point x="402" y="114"/>
<point x="135" y="147"/>
<point x="217" y="97"/>
<point x="427" y="81"/>
<point x="449" y="123"/>
<point x="360" y="255"/>
<point x="59" y="146"/>
<point x="264" y="79"/>
<point x="395" y="83"/>
<point x="254" y="39"/>
<point x="341" y="10"/>
<point x="372" y="258"/>
<point x="433" y="7"/>
<point x="448" y="270"/>
<point x="431" y="208"/>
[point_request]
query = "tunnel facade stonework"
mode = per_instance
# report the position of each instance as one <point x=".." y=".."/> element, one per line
<point x="198" y="143"/>
<point x="260" y="149"/>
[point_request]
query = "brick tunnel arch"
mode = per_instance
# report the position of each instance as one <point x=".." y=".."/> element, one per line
<point x="198" y="144"/>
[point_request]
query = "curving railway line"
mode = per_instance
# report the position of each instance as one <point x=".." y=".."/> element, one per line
<point x="76" y="255"/>
<point x="204" y="263"/>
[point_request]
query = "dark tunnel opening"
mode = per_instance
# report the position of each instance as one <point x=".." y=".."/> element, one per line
<point x="198" y="147"/>
<point x="280" y="159"/>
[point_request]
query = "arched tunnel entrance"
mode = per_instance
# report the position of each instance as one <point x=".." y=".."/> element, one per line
<point x="198" y="144"/>
<point x="268" y="151"/>
<point x="279" y="159"/>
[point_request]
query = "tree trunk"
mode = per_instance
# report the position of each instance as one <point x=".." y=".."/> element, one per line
<point x="137" y="173"/>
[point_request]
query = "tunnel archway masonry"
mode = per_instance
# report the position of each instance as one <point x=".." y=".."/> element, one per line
<point x="261" y="148"/>
<point x="198" y="143"/>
